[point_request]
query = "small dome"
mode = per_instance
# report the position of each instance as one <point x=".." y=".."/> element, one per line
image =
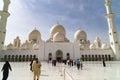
<point x="81" y="46"/>
<point x="17" y="37"/>
<point x="24" y="46"/>
<point x="97" y="39"/>
<point x="34" y="35"/>
<point x="80" y="35"/>
<point x="57" y="28"/>
<point x="105" y="47"/>
<point x="10" y="46"/>
<point x="58" y="37"/>
<point x="36" y="46"/>
<point x="92" y="46"/>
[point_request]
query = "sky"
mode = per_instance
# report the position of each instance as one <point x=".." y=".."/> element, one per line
<point x="88" y="15"/>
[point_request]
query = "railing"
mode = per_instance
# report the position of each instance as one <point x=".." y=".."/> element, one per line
<point x="64" y="73"/>
<point x="67" y="75"/>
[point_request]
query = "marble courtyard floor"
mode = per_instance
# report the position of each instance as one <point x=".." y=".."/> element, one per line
<point x="91" y="71"/>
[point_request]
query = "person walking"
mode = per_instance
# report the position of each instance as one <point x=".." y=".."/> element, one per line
<point x="81" y="64"/>
<point x="31" y="64"/>
<point x="36" y="68"/>
<point x="78" y="64"/>
<point x="104" y="64"/>
<point x="6" y="67"/>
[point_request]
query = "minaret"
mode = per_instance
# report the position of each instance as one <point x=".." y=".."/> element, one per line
<point x="4" y="14"/>
<point x="114" y="41"/>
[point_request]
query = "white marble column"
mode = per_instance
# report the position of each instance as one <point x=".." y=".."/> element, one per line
<point x="3" y="21"/>
<point x="113" y="36"/>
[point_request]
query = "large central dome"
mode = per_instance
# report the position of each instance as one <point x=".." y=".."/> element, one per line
<point x="57" y="28"/>
<point x="57" y="34"/>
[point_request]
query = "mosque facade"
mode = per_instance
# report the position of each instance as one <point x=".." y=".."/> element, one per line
<point x="58" y="46"/>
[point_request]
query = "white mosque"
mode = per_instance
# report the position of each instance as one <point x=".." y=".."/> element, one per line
<point x="58" y="46"/>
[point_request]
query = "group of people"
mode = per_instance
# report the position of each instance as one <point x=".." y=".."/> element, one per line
<point x="36" y="67"/>
<point x="69" y="62"/>
<point x="76" y="62"/>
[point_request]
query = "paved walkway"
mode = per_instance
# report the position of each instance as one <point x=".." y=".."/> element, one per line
<point x="91" y="71"/>
<point x="21" y="71"/>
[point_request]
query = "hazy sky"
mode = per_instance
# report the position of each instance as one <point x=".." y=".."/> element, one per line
<point x="88" y="15"/>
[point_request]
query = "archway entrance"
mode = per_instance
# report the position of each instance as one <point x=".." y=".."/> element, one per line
<point x="59" y="55"/>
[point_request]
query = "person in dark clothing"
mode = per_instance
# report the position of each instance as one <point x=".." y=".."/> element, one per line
<point x="104" y="65"/>
<point x="72" y="62"/>
<point x="78" y="64"/>
<point x="81" y="65"/>
<point x="54" y="62"/>
<point x="31" y="64"/>
<point x="5" y="69"/>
